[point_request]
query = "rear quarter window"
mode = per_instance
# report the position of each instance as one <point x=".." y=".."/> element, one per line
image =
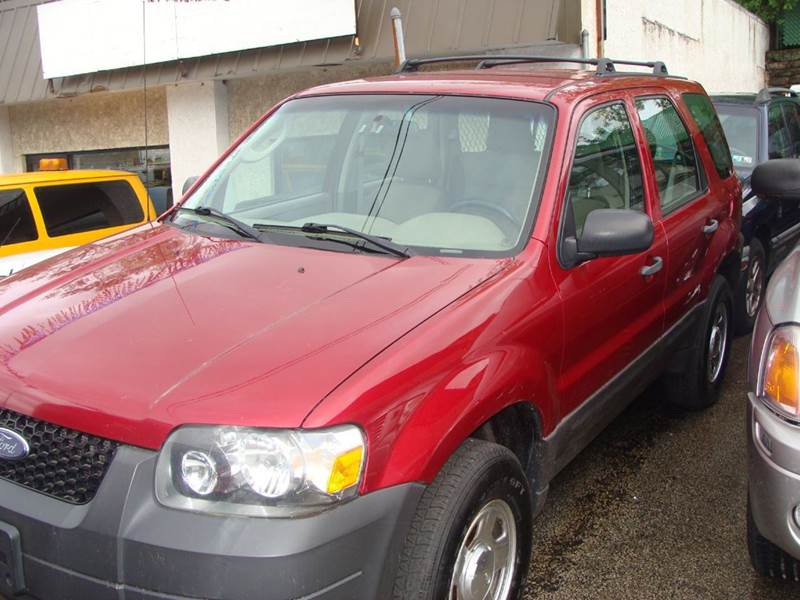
<point x="76" y="208"/>
<point x="16" y="219"/>
<point x="705" y="116"/>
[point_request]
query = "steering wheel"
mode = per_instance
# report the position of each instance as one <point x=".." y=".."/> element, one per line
<point x="510" y="225"/>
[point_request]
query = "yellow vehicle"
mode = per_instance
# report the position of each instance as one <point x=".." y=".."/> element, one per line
<point x="50" y="211"/>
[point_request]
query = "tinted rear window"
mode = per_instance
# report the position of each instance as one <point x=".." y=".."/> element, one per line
<point x="741" y="129"/>
<point x="706" y="118"/>
<point x="16" y="220"/>
<point x="76" y="208"/>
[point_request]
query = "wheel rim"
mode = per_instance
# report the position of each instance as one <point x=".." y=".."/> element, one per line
<point x="486" y="559"/>
<point x="754" y="289"/>
<point x="717" y="342"/>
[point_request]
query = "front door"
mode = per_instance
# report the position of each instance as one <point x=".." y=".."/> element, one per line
<point x="613" y="305"/>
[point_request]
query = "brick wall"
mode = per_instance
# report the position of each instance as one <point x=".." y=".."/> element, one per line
<point x="783" y="67"/>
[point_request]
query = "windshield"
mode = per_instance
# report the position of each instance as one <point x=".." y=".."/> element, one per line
<point x="741" y="129"/>
<point x="439" y="174"/>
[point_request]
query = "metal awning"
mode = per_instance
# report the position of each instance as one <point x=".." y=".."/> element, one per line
<point x="432" y="27"/>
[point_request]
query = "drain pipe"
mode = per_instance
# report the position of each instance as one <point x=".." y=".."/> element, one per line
<point x="399" y="37"/>
<point x="585" y="44"/>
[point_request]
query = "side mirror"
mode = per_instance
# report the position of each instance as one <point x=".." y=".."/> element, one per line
<point x="777" y="179"/>
<point x="610" y="232"/>
<point x="189" y="183"/>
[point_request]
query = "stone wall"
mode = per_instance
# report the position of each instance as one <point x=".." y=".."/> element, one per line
<point x="783" y="67"/>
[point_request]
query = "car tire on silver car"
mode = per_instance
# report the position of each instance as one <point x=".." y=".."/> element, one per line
<point x="767" y="559"/>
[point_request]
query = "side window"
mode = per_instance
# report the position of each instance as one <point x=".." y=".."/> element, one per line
<point x="705" y="116"/>
<point x="792" y="117"/>
<point x="673" y="154"/>
<point x="76" y="208"/>
<point x="16" y="219"/>
<point x="780" y="145"/>
<point x="606" y="171"/>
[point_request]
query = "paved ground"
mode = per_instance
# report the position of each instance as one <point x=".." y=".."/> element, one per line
<point x="654" y="508"/>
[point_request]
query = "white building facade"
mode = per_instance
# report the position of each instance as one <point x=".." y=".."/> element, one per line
<point x="169" y="119"/>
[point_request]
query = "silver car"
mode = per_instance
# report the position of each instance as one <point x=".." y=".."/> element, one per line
<point x="773" y="416"/>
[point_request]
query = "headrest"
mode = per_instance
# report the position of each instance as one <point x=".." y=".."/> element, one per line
<point x="509" y="135"/>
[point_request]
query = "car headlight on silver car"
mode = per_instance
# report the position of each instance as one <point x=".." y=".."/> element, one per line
<point x="779" y="379"/>
<point x="259" y="472"/>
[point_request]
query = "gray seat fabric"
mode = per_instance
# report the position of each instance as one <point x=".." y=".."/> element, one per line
<point x="416" y="186"/>
<point x="501" y="172"/>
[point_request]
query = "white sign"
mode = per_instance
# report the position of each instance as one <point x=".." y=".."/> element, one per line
<point x="85" y="36"/>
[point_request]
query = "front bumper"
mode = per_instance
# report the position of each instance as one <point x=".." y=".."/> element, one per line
<point x="774" y="476"/>
<point x="125" y="545"/>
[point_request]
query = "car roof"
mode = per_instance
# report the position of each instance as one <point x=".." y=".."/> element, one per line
<point x="75" y="175"/>
<point x="750" y="99"/>
<point x="734" y="98"/>
<point x="521" y="82"/>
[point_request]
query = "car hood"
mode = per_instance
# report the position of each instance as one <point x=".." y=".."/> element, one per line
<point x="130" y="337"/>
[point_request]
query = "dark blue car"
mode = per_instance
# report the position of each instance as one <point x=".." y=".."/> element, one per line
<point x="760" y="127"/>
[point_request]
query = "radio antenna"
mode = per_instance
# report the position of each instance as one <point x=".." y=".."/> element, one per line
<point x="144" y="80"/>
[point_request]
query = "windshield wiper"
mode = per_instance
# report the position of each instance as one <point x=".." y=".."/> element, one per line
<point x="233" y="223"/>
<point x="385" y="244"/>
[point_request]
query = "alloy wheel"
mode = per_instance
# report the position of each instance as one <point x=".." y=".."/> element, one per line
<point x="486" y="560"/>
<point x="717" y="342"/>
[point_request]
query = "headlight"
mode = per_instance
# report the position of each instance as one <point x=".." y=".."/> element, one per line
<point x="779" y="382"/>
<point x="259" y="472"/>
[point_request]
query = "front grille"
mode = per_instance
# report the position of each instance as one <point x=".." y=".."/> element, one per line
<point x="63" y="463"/>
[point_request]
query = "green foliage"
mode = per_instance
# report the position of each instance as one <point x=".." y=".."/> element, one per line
<point x="769" y="10"/>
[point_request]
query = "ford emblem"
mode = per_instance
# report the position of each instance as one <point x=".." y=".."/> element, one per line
<point x="12" y="445"/>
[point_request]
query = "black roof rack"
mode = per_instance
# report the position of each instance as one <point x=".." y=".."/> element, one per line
<point x="768" y="92"/>
<point x="603" y="66"/>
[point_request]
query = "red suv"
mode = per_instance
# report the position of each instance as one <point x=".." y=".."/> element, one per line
<point x="350" y="362"/>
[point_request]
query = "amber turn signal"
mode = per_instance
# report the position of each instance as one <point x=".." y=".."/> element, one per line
<point x="781" y="372"/>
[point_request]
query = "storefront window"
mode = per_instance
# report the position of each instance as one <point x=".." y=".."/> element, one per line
<point x="155" y="173"/>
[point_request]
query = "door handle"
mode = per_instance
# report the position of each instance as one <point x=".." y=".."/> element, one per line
<point x="652" y="269"/>
<point x="712" y="226"/>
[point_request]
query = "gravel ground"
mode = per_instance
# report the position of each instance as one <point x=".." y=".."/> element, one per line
<point x="655" y="508"/>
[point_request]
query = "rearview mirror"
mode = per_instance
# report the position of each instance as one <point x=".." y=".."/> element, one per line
<point x="188" y="184"/>
<point x="777" y="179"/>
<point x="610" y="232"/>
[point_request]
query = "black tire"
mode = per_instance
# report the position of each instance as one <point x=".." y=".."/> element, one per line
<point x="757" y="273"/>
<point x="767" y="559"/>
<point x="695" y="388"/>
<point x="477" y="474"/>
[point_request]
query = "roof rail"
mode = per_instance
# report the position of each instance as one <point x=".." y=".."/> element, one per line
<point x="603" y="66"/>
<point x="768" y="92"/>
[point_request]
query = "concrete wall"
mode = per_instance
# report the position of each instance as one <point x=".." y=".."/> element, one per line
<point x="198" y="127"/>
<point x="715" y="42"/>
<point x="90" y="122"/>
<point x="9" y="162"/>
<point x="250" y="98"/>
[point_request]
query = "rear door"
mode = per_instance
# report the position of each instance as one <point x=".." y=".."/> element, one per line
<point x="691" y="214"/>
<point x="614" y="310"/>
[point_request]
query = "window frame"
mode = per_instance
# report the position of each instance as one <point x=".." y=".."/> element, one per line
<point x="702" y="176"/>
<point x="563" y="234"/>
